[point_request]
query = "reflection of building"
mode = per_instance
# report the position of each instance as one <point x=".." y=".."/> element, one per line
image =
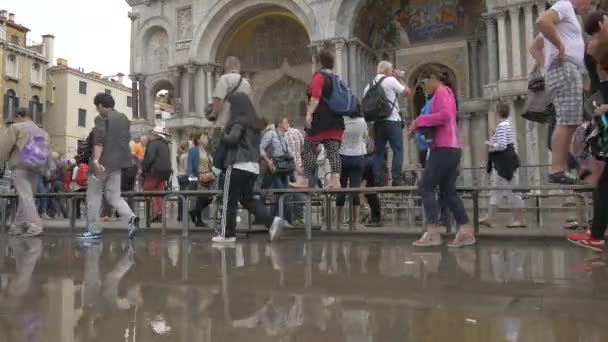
<point x="71" y="104"/>
<point x="22" y="70"/>
<point x="480" y="44"/>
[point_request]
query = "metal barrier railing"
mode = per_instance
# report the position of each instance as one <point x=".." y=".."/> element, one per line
<point x="473" y="193"/>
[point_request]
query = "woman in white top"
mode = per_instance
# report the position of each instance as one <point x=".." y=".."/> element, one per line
<point x="504" y="161"/>
<point x="352" y="155"/>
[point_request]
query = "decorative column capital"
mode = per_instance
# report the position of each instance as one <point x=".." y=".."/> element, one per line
<point x="192" y="68"/>
<point x="176" y="71"/>
<point x="135" y="77"/>
<point x="339" y="43"/>
<point x="513" y="11"/>
<point x="218" y="69"/>
<point x="208" y="67"/>
<point x="488" y="17"/>
<point x="133" y="16"/>
<point x="501" y="15"/>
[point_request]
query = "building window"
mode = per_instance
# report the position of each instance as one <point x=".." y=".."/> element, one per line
<point x="82" y="87"/>
<point x="15" y="39"/>
<point x="36" y="74"/>
<point x="11" y="103"/>
<point x="82" y="118"/>
<point x="108" y="92"/>
<point x="36" y="110"/>
<point x="11" y="66"/>
<point x="129" y="101"/>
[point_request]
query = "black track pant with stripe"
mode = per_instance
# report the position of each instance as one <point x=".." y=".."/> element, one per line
<point x="238" y="187"/>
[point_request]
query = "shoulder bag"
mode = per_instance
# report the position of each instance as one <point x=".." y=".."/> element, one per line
<point x="285" y="163"/>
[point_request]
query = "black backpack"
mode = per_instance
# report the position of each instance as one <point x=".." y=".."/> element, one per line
<point x="85" y="149"/>
<point x="375" y="104"/>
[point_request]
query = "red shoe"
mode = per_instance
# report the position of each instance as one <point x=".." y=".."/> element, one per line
<point x="585" y="240"/>
<point x="586" y="235"/>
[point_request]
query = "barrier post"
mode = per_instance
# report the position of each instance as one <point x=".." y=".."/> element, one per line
<point x="73" y="201"/>
<point x="328" y="216"/>
<point x="538" y="215"/>
<point x="4" y="212"/>
<point x="308" y="215"/>
<point x="475" y="195"/>
<point x="185" y="215"/>
<point x="148" y="207"/>
<point x="164" y="214"/>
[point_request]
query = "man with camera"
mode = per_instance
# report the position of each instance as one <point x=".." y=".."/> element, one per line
<point x="230" y="83"/>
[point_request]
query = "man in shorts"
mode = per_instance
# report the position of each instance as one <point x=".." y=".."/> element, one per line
<point x="562" y="39"/>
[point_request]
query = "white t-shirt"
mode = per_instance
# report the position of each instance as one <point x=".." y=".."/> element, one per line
<point x="225" y="85"/>
<point x="571" y="34"/>
<point x="392" y="89"/>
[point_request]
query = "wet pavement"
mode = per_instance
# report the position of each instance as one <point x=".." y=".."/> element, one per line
<point x="331" y="289"/>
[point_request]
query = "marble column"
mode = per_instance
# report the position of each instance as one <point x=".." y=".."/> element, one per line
<point x="474" y="67"/>
<point x="529" y="30"/>
<point x="513" y="118"/>
<point x="134" y="97"/>
<point x="341" y="66"/>
<point x="176" y="73"/>
<point x="492" y="49"/>
<point x="532" y="151"/>
<point x="352" y="67"/>
<point x="208" y="68"/>
<point x="502" y="47"/>
<point x="143" y="108"/>
<point x="191" y="71"/>
<point x="515" y="42"/>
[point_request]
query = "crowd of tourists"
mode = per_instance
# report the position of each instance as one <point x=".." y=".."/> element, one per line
<point x="344" y="144"/>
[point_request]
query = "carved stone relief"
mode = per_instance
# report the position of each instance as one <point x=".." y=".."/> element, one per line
<point x="184" y="23"/>
<point x="157" y="51"/>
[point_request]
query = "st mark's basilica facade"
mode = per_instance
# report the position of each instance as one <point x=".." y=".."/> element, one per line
<point x="179" y="46"/>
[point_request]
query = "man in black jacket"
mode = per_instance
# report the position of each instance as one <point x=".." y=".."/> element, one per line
<point x="156" y="168"/>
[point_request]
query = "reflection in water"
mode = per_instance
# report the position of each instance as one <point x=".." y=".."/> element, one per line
<point x="331" y="290"/>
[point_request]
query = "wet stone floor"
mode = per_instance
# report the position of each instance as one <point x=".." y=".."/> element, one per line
<point x="359" y="289"/>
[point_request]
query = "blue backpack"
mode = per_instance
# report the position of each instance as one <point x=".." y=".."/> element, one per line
<point x="341" y="101"/>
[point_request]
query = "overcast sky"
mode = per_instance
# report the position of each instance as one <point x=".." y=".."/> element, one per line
<point x="92" y="34"/>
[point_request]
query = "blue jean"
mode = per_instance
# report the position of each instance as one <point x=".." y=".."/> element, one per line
<point x="42" y="203"/>
<point x="442" y="171"/>
<point x="281" y="181"/>
<point x="350" y="176"/>
<point x="388" y="132"/>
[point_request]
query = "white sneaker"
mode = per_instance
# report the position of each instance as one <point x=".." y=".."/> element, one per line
<point x="277" y="228"/>
<point x="221" y="239"/>
<point x="16" y="229"/>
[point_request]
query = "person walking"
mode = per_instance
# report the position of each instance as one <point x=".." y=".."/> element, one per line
<point x="242" y="139"/>
<point x="57" y="185"/>
<point x="389" y="130"/>
<point x="182" y="176"/>
<point x="110" y="153"/>
<point x="323" y="126"/>
<point x="373" y="200"/>
<point x="200" y="176"/>
<point x="503" y="159"/>
<point x="564" y="51"/>
<point x="281" y="161"/>
<point x="352" y="153"/>
<point x="24" y="147"/>
<point x="156" y="168"/>
<point x="443" y="163"/>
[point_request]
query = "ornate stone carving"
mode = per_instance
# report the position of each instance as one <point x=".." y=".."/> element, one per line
<point x="285" y="97"/>
<point x="184" y="23"/>
<point x="157" y="51"/>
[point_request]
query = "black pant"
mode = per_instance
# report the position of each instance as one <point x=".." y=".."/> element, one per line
<point x="372" y="198"/>
<point x="600" y="207"/>
<point x="201" y="202"/>
<point x="238" y="187"/>
<point x="350" y="177"/>
<point x="183" y="183"/>
<point x="442" y="172"/>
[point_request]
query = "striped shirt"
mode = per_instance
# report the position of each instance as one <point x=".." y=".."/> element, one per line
<point x="503" y="136"/>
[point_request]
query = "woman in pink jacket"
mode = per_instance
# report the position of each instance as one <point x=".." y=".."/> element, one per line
<point x="443" y="163"/>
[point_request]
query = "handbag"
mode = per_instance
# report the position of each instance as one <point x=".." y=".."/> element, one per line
<point x="539" y="106"/>
<point x="206" y="177"/>
<point x="285" y="163"/>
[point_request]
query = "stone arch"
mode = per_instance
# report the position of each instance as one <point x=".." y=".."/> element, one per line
<point x="418" y="99"/>
<point x="153" y="31"/>
<point x="344" y="15"/>
<point x="154" y="85"/>
<point x="222" y="17"/>
<point x="286" y="96"/>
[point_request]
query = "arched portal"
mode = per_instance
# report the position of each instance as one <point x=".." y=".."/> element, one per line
<point x="161" y="101"/>
<point x="272" y="44"/>
<point x="419" y="99"/>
